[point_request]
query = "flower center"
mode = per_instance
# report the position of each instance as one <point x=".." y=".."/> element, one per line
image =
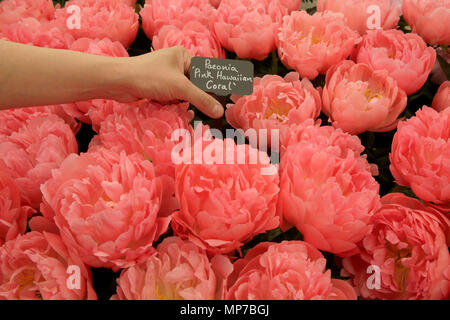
<point x="370" y="95"/>
<point x="278" y="110"/>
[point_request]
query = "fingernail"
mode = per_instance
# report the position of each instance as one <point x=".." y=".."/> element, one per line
<point x="217" y="110"/>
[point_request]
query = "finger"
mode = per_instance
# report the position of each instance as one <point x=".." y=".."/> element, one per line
<point x="200" y="99"/>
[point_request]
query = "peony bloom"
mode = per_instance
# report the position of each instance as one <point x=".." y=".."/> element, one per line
<point x="325" y="136"/>
<point x="358" y="99"/>
<point x="105" y="206"/>
<point x="291" y="270"/>
<point x="37" y="33"/>
<point x="11" y="120"/>
<point x="30" y="154"/>
<point x="37" y="266"/>
<point x="148" y="130"/>
<point x="441" y="100"/>
<point x="245" y="27"/>
<point x="406" y="57"/>
<point x="276" y="103"/>
<point x="224" y="205"/>
<point x="312" y="44"/>
<point x="13" y="216"/>
<point x="359" y="13"/>
<point x="100" y="19"/>
<point x="420" y="155"/>
<point x="193" y="36"/>
<point x="12" y="11"/>
<point x="178" y="271"/>
<point x="327" y="190"/>
<point x="159" y="13"/>
<point x="428" y="18"/>
<point x="407" y="246"/>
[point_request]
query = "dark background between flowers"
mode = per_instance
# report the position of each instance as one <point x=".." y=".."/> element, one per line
<point x="378" y="146"/>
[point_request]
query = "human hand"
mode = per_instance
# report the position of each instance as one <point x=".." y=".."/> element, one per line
<point x="162" y="76"/>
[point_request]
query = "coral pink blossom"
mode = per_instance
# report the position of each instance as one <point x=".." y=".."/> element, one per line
<point x="159" y="13"/>
<point x="100" y="19"/>
<point x="13" y="216"/>
<point x="324" y="136"/>
<point x="420" y="155"/>
<point x="12" y="11"/>
<point x="245" y="27"/>
<point x="105" y="206"/>
<point x="360" y="16"/>
<point x="37" y="33"/>
<point x="312" y="44"/>
<point x="428" y="18"/>
<point x="291" y="270"/>
<point x="147" y="130"/>
<point x="33" y="151"/>
<point x="406" y="57"/>
<point x="326" y="190"/>
<point x="441" y="100"/>
<point x="358" y="99"/>
<point x="407" y="246"/>
<point x="11" y="120"/>
<point x="276" y="103"/>
<point x="37" y="266"/>
<point x="179" y="271"/>
<point x="224" y="205"/>
<point x="193" y="36"/>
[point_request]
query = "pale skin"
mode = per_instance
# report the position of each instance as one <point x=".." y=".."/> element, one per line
<point x="33" y="76"/>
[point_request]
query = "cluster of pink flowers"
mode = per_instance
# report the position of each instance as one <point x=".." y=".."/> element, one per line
<point x="184" y="230"/>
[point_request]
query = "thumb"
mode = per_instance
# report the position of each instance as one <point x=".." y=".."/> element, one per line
<point x="200" y="99"/>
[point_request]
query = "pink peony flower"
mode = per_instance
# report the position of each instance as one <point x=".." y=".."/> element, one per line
<point x="37" y="266"/>
<point x="276" y="103"/>
<point x="408" y="247"/>
<point x="105" y="206"/>
<point x="37" y="33"/>
<point x="11" y="120"/>
<point x="224" y="205"/>
<point x="427" y="18"/>
<point x="406" y="57"/>
<point x="359" y="13"/>
<point x="148" y="130"/>
<point x="327" y="190"/>
<point x="193" y="36"/>
<point x="441" y="100"/>
<point x="420" y="153"/>
<point x="30" y="154"/>
<point x="13" y="11"/>
<point x="13" y="216"/>
<point x="312" y="44"/>
<point x="324" y="136"/>
<point x="179" y="270"/>
<point x="291" y="270"/>
<point x="245" y="27"/>
<point x="100" y="19"/>
<point x="358" y="99"/>
<point x="159" y="13"/>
